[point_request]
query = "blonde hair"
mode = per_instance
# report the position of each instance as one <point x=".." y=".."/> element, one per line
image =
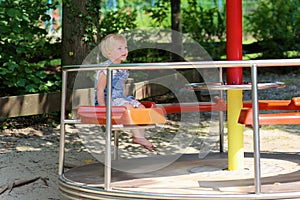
<point x="107" y="43"/>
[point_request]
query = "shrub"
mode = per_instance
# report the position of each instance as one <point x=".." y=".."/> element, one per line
<point x="96" y="23"/>
<point x="276" y="26"/>
<point x="22" y="45"/>
<point x="204" y="25"/>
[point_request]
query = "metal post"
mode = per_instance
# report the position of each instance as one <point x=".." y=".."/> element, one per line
<point x="221" y="131"/>
<point x="256" y="140"/>
<point x="234" y="48"/>
<point x="116" y="144"/>
<point x="107" y="161"/>
<point x="234" y="76"/>
<point x="62" y="124"/>
<point x="221" y="115"/>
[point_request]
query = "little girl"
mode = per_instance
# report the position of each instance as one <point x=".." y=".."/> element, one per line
<point x="114" y="48"/>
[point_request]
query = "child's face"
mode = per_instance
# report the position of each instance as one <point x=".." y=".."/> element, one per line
<point x="118" y="52"/>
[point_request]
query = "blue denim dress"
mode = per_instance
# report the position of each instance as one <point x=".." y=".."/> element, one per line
<point x="118" y="82"/>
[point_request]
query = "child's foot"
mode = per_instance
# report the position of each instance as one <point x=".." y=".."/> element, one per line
<point x="144" y="142"/>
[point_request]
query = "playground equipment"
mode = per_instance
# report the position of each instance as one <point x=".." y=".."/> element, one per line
<point x="123" y="118"/>
<point x="88" y="182"/>
<point x="122" y="115"/>
<point x="218" y="105"/>
<point x="246" y="116"/>
<point x="234" y="76"/>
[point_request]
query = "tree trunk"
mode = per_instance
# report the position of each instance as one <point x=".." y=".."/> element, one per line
<point x="74" y="49"/>
<point x="177" y="31"/>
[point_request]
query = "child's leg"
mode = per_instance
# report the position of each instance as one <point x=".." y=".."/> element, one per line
<point x="139" y="134"/>
<point x="139" y="138"/>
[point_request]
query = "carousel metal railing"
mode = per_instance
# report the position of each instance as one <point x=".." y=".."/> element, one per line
<point x="253" y="64"/>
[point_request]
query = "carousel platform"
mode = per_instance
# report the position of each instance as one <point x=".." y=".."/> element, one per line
<point x="188" y="177"/>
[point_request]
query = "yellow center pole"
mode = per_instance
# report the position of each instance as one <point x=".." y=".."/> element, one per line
<point x="235" y="130"/>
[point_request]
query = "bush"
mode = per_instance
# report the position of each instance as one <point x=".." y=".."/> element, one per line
<point x="97" y="23"/>
<point x="204" y="25"/>
<point x="276" y="26"/>
<point x="23" y="44"/>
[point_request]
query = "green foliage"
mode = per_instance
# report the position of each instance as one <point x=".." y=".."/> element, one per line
<point x="22" y="41"/>
<point x="97" y="23"/>
<point x="276" y="26"/>
<point x="26" y="50"/>
<point x="160" y="14"/>
<point x="203" y="24"/>
<point x="206" y="26"/>
<point x="117" y="21"/>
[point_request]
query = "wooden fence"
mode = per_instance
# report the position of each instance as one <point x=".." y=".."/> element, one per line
<point x="34" y="104"/>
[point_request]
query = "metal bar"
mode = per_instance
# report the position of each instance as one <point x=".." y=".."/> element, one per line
<point x="221" y="131"/>
<point x="221" y="115"/>
<point x="107" y="161"/>
<point x="256" y="139"/>
<point x="62" y="124"/>
<point x="234" y="43"/>
<point x="72" y="121"/>
<point x="116" y="144"/>
<point x="187" y="65"/>
<point x="72" y="190"/>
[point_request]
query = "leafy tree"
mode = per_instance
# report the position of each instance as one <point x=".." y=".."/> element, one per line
<point x="276" y="26"/>
<point x="26" y="48"/>
<point x="85" y="24"/>
<point x="206" y="26"/>
<point x="160" y="14"/>
<point x="23" y="43"/>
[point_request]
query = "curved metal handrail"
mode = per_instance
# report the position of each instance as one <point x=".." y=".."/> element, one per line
<point x="253" y="64"/>
<point x="187" y="65"/>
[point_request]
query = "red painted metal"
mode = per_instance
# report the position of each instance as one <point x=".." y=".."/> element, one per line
<point x="154" y="115"/>
<point x="246" y="115"/>
<point x="234" y="39"/>
<point x="293" y="104"/>
<point x="219" y="105"/>
<point x="149" y="115"/>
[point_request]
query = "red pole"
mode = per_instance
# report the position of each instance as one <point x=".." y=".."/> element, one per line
<point x="234" y="76"/>
<point x="234" y="39"/>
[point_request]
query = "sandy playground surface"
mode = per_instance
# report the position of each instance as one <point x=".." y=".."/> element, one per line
<point x="29" y="157"/>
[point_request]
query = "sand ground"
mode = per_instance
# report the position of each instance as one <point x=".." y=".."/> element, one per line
<point x="31" y="155"/>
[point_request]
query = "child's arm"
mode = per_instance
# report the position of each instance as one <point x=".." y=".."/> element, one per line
<point x="101" y="85"/>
